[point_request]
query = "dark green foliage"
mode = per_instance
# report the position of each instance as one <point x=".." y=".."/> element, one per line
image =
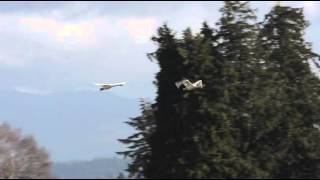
<point x="289" y="99"/>
<point x="256" y="114"/>
<point x="139" y="149"/>
<point x="166" y="141"/>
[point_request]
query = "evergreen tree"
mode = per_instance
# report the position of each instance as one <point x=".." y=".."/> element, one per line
<point x="202" y="141"/>
<point x="286" y="105"/>
<point x="256" y="117"/>
<point x="139" y="143"/>
<point x="237" y="36"/>
<point x="167" y="138"/>
<point x="209" y="151"/>
<point x="194" y="154"/>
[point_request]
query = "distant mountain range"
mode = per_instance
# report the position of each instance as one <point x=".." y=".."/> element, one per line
<point x="97" y="168"/>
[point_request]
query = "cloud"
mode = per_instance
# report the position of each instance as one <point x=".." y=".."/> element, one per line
<point x="66" y="49"/>
<point x="30" y="39"/>
<point x="89" y="33"/>
<point x="140" y="29"/>
<point x="32" y="91"/>
<point x="78" y="33"/>
<point x="86" y="32"/>
<point x="68" y="54"/>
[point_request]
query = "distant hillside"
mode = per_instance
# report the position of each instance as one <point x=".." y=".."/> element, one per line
<point x="98" y="168"/>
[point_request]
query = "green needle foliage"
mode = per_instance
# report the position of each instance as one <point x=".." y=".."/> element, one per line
<point x="257" y="114"/>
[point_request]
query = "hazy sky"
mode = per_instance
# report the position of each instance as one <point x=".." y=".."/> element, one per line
<point x="49" y="47"/>
<point x="58" y="46"/>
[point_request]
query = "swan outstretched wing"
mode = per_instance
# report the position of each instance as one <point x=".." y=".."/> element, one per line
<point x="188" y="84"/>
<point x="198" y="83"/>
<point x="118" y="84"/>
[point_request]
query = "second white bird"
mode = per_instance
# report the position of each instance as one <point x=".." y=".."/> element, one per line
<point x="188" y="86"/>
<point x="105" y="86"/>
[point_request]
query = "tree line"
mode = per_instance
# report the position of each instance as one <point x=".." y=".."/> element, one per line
<point x="257" y="114"/>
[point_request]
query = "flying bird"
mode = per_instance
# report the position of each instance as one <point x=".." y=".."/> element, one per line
<point x="188" y="86"/>
<point x="105" y="86"/>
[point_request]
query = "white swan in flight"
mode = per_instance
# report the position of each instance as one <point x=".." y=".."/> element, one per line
<point x="188" y="86"/>
<point x="105" y="86"/>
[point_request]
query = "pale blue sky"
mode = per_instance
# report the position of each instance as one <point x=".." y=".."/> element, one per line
<point x="56" y="47"/>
